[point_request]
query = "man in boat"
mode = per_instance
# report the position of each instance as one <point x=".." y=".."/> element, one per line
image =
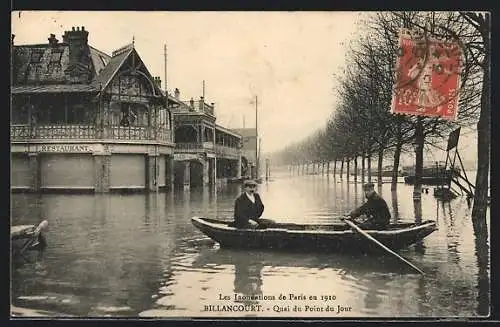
<point x="374" y="211"/>
<point x="248" y="208"/>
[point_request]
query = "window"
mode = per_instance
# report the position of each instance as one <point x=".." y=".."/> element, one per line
<point x="164" y="118"/>
<point x="36" y="56"/>
<point x="55" y="57"/>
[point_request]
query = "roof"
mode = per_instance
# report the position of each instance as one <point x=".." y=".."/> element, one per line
<point x="109" y="71"/>
<point x="227" y="131"/>
<point x="246" y="132"/>
<point x="49" y="64"/>
<point x="44" y="68"/>
<point x="99" y="59"/>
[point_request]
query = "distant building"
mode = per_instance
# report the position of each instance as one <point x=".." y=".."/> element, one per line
<point x="205" y="152"/>
<point x="249" y="151"/>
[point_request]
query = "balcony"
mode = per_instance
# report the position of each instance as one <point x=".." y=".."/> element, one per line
<point x="88" y="132"/>
<point x="194" y="146"/>
<point x="227" y="152"/>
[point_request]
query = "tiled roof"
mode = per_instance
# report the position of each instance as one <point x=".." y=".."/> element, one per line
<point x="99" y="59"/>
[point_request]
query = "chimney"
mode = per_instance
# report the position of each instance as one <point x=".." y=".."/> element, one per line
<point x="201" y="103"/>
<point x="52" y="40"/>
<point x="157" y="81"/>
<point x="191" y="103"/>
<point x="177" y="93"/>
<point x="78" y="44"/>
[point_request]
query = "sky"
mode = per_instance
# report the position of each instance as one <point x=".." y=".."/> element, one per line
<point x="286" y="59"/>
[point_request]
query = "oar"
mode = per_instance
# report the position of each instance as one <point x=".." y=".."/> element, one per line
<point x="368" y="236"/>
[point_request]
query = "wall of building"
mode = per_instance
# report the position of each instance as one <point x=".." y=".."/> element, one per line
<point x="20" y="173"/>
<point x="62" y="171"/>
<point x="128" y="171"/>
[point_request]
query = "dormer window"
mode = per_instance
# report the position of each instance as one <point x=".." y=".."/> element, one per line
<point x="36" y="56"/>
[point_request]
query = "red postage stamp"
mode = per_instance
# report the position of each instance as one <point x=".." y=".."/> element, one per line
<point x="427" y="79"/>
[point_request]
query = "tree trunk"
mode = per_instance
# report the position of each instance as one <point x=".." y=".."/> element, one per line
<point x="380" y="161"/>
<point x="369" y="157"/>
<point x="335" y="169"/>
<point x="483" y="144"/>
<point x="419" y="158"/>
<point x="397" y="156"/>
<point x="342" y="169"/>
<point x="363" y="168"/>
<point x="395" y="167"/>
<point x="328" y="168"/>
<point x="348" y="170"/>
<point x="482" y="253"/>
<point x="356" y="169"/>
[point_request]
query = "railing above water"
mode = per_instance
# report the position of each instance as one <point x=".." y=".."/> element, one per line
<point x="25" y="132"/>
<point x="226" y="151"/>
<point x="199" y="146"/>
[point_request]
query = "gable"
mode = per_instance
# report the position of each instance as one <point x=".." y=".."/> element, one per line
<point x="127" y="76"/>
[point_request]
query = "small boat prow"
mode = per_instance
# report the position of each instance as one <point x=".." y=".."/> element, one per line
<point x="28" y="237"/>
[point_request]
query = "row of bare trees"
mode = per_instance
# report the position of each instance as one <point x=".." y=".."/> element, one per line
<point x="361" y="124"/>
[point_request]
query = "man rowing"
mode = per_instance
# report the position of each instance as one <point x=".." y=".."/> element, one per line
<point x="374" y="211"/>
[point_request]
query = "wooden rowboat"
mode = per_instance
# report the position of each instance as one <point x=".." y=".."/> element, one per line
<point x="312" y="237"/>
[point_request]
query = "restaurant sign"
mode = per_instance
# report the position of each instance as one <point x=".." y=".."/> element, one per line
<point x="85" y="148"/>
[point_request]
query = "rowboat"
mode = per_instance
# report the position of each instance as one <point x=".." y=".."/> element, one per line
<point x="27" y="237"/>
<point x="336" y="237"/>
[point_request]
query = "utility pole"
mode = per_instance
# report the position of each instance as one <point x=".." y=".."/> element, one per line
<point x="256" y="139"/>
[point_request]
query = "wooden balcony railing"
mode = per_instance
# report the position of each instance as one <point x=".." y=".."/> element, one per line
<point x="226" y="151"/>
<point x="194" y="146"/>
<point x="23" y="132"/>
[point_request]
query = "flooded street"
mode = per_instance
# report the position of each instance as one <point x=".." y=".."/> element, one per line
<point x="139" y="255"/>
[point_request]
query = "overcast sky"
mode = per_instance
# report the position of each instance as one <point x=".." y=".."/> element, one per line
<point x="285" y="58"/>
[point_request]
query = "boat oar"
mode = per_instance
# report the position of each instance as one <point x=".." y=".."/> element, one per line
<point x="368" y="236"/>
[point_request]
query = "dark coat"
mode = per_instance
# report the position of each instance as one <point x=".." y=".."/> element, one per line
<point x="244" y="209"/>
<point x="376" y="207"/>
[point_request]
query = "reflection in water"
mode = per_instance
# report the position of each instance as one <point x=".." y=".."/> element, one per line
<point x="483" y="278"/>
<point x="125" y="255"/>
<point x="356" y="194"/>
<point x="247" y="277"/>
<point x="395" y="210"/>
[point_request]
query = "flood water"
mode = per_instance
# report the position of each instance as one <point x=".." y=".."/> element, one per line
<point x="139" y="255"/>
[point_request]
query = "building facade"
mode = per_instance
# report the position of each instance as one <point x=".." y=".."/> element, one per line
<point x="83" y="120"/>
<point x="205" y="152"/>
<point x="249" y="152"/>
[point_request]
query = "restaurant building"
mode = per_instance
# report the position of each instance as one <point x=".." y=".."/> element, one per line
<point x="82" y="120"/>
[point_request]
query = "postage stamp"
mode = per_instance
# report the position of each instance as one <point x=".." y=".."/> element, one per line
<point x="427" y="76"/>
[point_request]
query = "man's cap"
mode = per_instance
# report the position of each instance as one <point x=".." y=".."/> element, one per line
<point x="250" y="182"/>
<point x="368" y="186"/>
